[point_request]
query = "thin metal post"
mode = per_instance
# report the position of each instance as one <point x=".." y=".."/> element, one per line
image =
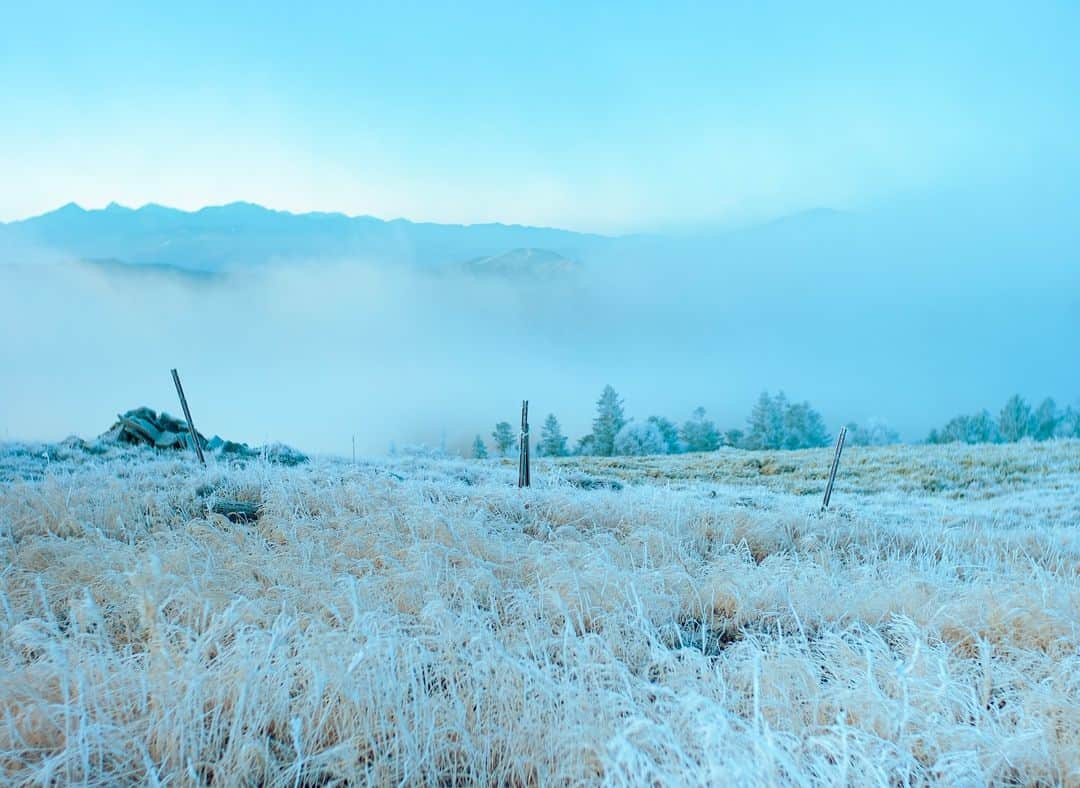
<point x="187" y="415"/>
<point x="835" y="465"/>
<point x="524" y="476"/>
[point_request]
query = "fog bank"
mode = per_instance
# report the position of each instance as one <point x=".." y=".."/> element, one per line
<point x="312" y="353"/>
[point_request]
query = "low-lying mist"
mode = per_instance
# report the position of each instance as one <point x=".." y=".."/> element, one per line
<point x="312" y="353"/>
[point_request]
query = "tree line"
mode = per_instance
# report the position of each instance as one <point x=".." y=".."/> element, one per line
<point x="774" y="423"/>
<point x="1017" y="420"/>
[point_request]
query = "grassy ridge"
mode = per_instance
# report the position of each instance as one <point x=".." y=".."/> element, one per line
<point x="957" y="470"/>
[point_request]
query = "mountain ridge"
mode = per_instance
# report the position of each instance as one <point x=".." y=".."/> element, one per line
<point x="244" y="234"/>
<point x="74" y="208"/>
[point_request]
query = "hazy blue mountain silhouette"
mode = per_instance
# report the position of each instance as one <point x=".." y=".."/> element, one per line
<point x="244" y="234"/>
<point x="241" y="235"/>
<point x="957" y="244"/>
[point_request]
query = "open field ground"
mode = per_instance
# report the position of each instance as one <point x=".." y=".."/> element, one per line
<point x="669" y="620"/>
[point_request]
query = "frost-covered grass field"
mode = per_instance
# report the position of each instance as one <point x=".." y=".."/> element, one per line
<point x="422" y="621"/>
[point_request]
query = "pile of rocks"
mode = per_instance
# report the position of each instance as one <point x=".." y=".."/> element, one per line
<point x="144" y="427"/>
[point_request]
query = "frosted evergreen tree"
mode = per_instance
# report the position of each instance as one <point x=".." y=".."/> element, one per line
<point x="609" y="420"/>
<point x="757" y="424"/>
<point x="775" y="423"/>
<point x="764" y="428"/>
<point x="983" y="429"/>
<point x="1016" y="420"/>
<point x="552" y="441"/>
<point x="670" y="434"/>
<point x="1045" y="420"/>
<point x="504" y="438"/>
<point x="803" y="427"/>
<point x="700" y="434"/>
<point x="777" y="420"/>
<point x="638" y="439"/>
<point x="479" y="449"/>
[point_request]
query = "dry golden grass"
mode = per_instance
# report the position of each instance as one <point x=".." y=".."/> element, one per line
<point x="701" y="625"/>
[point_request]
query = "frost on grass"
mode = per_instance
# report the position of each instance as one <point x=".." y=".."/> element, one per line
<point x="423" y="621"/>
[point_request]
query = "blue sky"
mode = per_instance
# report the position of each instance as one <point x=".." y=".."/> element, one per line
<point x="609" y="117"/>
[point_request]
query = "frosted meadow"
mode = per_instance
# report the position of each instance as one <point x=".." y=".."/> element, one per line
<point x="657" y="620"/>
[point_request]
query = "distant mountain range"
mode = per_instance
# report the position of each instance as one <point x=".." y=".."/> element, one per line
<point x="817" y="245"/>
<point x="155" y="239"/>
<point x="241" y="235"/>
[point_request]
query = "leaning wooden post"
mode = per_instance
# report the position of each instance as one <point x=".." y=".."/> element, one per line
<point x="835" y="464"/>
<point x="524" y="478"/>
<point x="187" y="415"/>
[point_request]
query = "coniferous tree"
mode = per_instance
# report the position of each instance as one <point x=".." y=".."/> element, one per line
<point x="817" y="434"/>
<point x="775" y="423"/>
<point x="700" y="434"/>
<point x="552" y="441"/>
<point x="479" y="449"/>
<point x="983" y="429"/>
<point x="764" y="428"/>
<point x="1045" y="420"/>
<point x="777" y="419"/>
<point x="757" y="424"/>
<point x="504" y="438"/>
<point x="609" y="420"/>
<point x="803" y="427"/>
<point x="1016" y="420"/>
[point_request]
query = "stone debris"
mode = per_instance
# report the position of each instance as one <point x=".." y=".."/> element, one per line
<point x="237" y="511"/>
<point x="144" y="427"/>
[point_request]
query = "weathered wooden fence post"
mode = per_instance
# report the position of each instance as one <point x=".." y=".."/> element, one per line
<point x="187" y="415"/>
<point x="524" y="477"/>
<point x="835" y="464"/>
